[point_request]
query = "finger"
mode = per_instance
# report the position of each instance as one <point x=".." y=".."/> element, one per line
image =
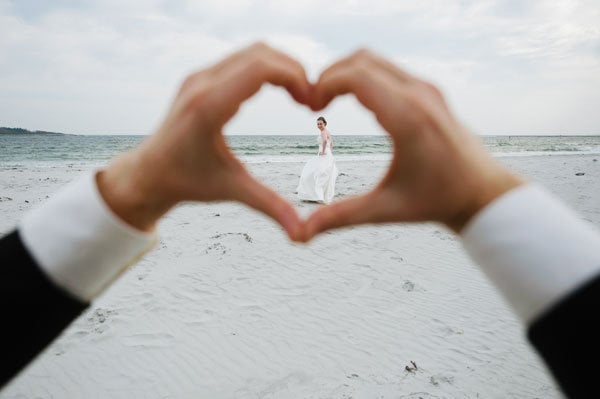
<point x="402" y="75"/>
<point x="351" y="74"/>
<point x="350" y="79"/>
<point x="231" y="59"/>
<point x="214" y="69"/>
<point x="263" y="64"/>
<point x="258" y="196"/>
<point x="222" y="92"/>
<point x="386" y="65"/>
<point x="366" y="208"/>
<point x="377" y="90"/>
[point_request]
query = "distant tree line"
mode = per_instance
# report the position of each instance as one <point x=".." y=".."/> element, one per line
<point x="18" y="130"/>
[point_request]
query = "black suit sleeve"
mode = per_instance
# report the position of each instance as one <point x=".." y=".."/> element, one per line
<point x="34" y="310"/>
<point x="568" y="339"/>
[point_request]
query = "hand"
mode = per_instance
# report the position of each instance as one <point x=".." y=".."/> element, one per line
<point x="439" y="171"/>
<point x="187" y="159"/>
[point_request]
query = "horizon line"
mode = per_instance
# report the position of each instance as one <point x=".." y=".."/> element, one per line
<point x="300" y="134"/>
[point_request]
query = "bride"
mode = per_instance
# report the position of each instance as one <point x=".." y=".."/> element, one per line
<point x="317" y="182"/>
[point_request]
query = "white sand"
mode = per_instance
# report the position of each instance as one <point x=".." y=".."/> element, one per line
<point x="227" y="307"/>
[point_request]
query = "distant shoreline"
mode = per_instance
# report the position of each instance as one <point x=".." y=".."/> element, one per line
<point x="19" y="131"/>
<point x="15" y="131"/>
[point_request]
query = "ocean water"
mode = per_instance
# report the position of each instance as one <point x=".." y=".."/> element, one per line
<point x="61" y="150"/>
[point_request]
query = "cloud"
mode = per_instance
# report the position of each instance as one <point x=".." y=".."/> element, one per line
<point x="113" y="67"/>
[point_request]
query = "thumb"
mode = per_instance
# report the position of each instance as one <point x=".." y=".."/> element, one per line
<point x="366" y="208"/>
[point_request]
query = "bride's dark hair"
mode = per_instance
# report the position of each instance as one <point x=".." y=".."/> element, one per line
<point x="320" y="118"/>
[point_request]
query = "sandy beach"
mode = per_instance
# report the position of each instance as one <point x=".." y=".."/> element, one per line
<point x="226" y="307"/>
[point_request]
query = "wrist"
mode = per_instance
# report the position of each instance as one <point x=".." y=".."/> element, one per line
<point x="492" y="184"/>
<point x="129" y="186"/>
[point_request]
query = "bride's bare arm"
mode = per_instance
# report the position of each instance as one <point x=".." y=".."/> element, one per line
<point x="323" y="142"/>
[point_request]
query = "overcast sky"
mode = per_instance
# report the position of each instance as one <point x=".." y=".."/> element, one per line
<point x="113" y="66"/>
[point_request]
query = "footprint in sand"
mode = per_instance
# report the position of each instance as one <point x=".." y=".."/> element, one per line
<point x="419" y="395"/>
<point x="408" y="286"/>
<point x="216" y="248"/>
<point x="246" y="236"/>
<point x="444" y="236"/>
<point x="439" y="379"/>
<point x="446" y="330"/>
<point x="98" y="319"/>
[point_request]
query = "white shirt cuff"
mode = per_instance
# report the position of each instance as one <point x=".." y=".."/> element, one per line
<point x="79" y="243"/>
<point x="533" y="248"/>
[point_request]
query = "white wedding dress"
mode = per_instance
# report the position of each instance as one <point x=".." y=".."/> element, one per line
<point x="317" y="182"/>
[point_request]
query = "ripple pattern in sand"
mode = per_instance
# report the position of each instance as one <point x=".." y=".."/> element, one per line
<point x="225" y="307"/>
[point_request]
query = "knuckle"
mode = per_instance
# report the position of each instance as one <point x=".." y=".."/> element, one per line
<point x="361" y="65"/>
<point x="415" y="107"/>
<point x="433" y="89"/>
<point x="362" y="60"/>
<point x="363" y="53"/>
<point x="256" y="66"/>
<point x="199" y="98"/>
<point x="259" y="47"/>
<point x="298" y="66"/>
<point x="414" y="99"/>
<point x="187" y="83"/>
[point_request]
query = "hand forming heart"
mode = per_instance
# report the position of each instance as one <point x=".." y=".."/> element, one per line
<point x="439" y="171"/>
